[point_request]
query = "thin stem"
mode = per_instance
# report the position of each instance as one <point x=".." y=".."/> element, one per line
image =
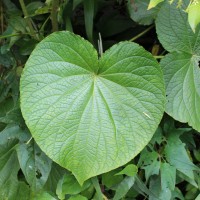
<point x="13" y="35"/>
<point x="28" y="20"/>
<point x="95" y="182"/>
<point x="141" y="34"/>
<point x="54" y="22"/>
<point x="100" y="45"/>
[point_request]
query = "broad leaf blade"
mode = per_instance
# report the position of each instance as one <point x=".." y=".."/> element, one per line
<point x="182" y="78"/>
<point x="174" y="31"/>
<point x="83" y="112"/>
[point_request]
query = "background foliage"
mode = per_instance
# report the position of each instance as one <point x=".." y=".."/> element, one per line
<point x="168" y="167"/>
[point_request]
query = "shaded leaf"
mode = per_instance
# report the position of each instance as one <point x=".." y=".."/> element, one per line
<point x="168" y="176"/>
<point x="149" y="161"/>
<point x="89" y="17"/>
<point x="139" y="13"/>
<point x="77" y="197"/>
<point x="124" y="187"/>
<point x="177" y="156"/>
<point x="9" y="168"/>
<point x="69" y="185"/>
<point x="129" y="170"/>
<point x="34" y="164"/>
<point x="44" y="196"/>
<point x="109" y="179"/>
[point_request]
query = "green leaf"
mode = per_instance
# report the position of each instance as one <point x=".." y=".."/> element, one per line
<point x="182" y="78"/>
<point x="168" y="176"/>
<point x="76" y="3"/>
<point x="177" y="156"/>
<point x="194" y="14"/>
<point x="198" y="197"/>
<point x="9" y="168"/>
<point x="89" y="115"/>
<point x="139" y="13"/>
<point x="69" y="185"/>
<point x="44" y="196"/>
<point x="13" y="131"/>
<point x="154" y="3"/>
<point x="181" y="68"/>
<point x="55" y="175"/>
<point x="129" y="170"/>
<point x="89" y="17"/>
<point x="34" y="164"/>
<point x="157" y="193"/>
<point x="174" y="31"/>
<point x="110" y="180"/>
<point x="77" y="197"/>
<point x="149" y="161"/>
<point x="124" y="187"/>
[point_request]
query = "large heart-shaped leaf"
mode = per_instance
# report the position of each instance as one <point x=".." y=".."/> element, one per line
<point x="181" y="66"/>
<point x="91" y="115"/>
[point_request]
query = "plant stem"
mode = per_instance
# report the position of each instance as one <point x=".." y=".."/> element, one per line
<point x="54" y="22"/>
<point x="28" y="20"/>
<point x="141" y="34"/>
<point x="13" y="35"/>
<point x="95" y="182"/>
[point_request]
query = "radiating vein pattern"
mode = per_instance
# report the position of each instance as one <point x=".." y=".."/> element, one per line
<point x="91" y="115"/>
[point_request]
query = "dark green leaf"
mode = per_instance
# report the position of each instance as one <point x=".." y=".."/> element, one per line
<point x="168" y="176"/>
<point x="69" y="185"/>
<point x="109" y="179"/>
<point x="9" y="168"/>
<point x="89" y="17"/>
<point x="124" y="187"/>
<point x="139" y="13"/>
<point x="35" y="165"/>
<point x="177" y="156"/>
<point x="149" y="161"/>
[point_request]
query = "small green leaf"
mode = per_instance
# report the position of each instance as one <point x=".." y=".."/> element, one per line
<point x="69" y="185"/>
<point x="44" y="196"/>
<point x="177" y="156"/>
<point x="129" y="170"/>
<point x="149" y="161"/>
<point x="91" y="115"/>
<point x="124" y="187"/>
<point x="168" y="176"/>
<point x="110" y="180"/>
<point x="77" y="197"/>
<point x="153" y="3"/>
<point x="194" y="14"/>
